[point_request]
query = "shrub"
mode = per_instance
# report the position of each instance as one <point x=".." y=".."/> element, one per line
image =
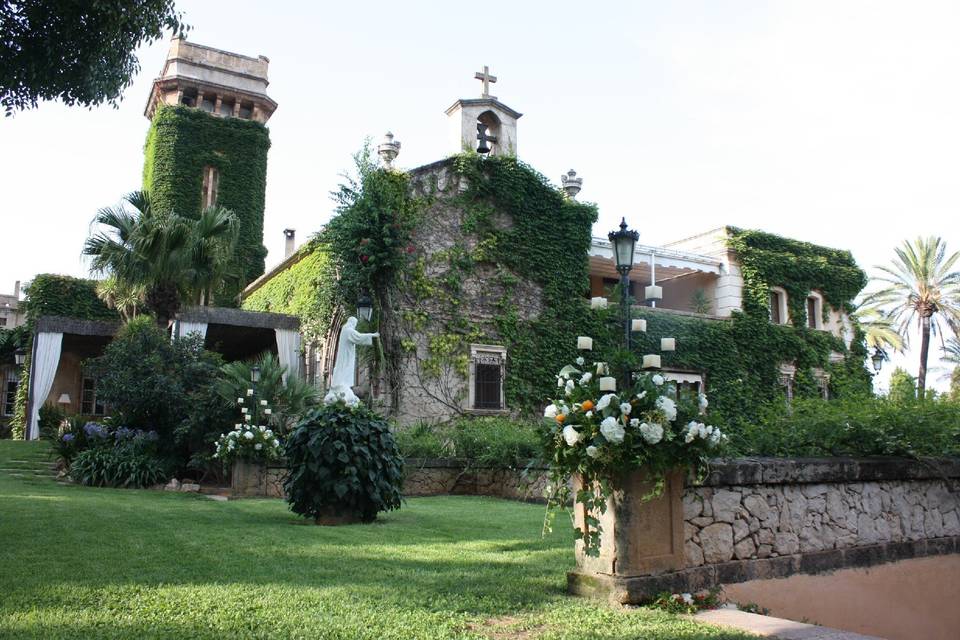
<point x="343" y="463"/>
<point x="49" y="421"/>
<point x="486" y="442"/>
<point x="423" y="440"/>
<point x="119" y="458"/>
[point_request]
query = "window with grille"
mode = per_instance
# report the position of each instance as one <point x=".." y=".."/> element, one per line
<point x="90" y="405"/>
<point x="486" y="378"/>
<point x="9" y="398"/>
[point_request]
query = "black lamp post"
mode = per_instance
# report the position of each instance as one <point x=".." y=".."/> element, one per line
<point x="20" y="356"/>
<point x="877" y="358"/>
<point x="624" y="242"/>
<point x="365" y="306"/>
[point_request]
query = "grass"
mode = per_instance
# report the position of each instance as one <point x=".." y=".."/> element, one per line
<point x="112" y="563"/>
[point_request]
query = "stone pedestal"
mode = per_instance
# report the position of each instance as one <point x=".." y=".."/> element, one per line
<point x="248" y="478"/>
<point x="640" y="537"/>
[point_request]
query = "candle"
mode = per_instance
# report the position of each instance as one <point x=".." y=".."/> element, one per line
<point x="651" y="362"/>
<point x="598" y="303"/>
<point x="608" y="384"/>
<point x="653" y="292"/>
<point x="638" y="324"/>
<point x="585" y="343"/>
<point x="668" y="344"/>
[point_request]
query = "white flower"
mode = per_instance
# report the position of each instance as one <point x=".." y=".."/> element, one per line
<point x="564" y="409"/>
<point x="703" y="402"/>
<point x="263" y="403"/>
<point x="612" y="430"/>
<point x="268" y="433"/>
<point x="239" y="400"/>
<point x="589" y="414"/>
<point x="625" y="408"/>
<point x="641" y="395"/>
<point x="634" y="422"/>
<point x="248" y="435"/>
<point x="687" y="598"/>
<point x="550" y="411"/>
<point x="559" y="382"/>
<point x="580" y="361"/>
<point x="592" y="451"/>
<point x="657" y="379"/>
<point x="571" y="435"/>
<point x="586" y="378"/>
<point x="569" y="387"/>
<point x="652" y="433"/>
<point x="276" y="442"/>
<point x="668" y="407"/>
<point x="605" y="400"/>
<point x="602" y="369"/>
<point x="258" y="446"/>
<point x="693" y="431"/>
<point x="249" y="392"/>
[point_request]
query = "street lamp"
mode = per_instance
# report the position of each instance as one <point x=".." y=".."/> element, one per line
<point x="20" y="356"/>
<point x="624" y="242"/>
<point x="255" y="374"/>
<point x="365" y="306"/>
<point x="877" y="358"/>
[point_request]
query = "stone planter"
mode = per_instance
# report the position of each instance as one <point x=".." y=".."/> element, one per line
<point x="639" y="537"/>
<point x="248" y="479"/>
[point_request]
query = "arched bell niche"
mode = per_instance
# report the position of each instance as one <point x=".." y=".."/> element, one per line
<point x="488" y="132"/>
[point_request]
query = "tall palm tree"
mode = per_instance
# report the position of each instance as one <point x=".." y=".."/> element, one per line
<point x="173" y="258"/>
<point x="920" y="284"/>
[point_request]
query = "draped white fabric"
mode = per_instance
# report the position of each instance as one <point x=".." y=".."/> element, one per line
<point x="185" y="328"/>
<point x="288" y="351"/>
<point x="44" y="368"/>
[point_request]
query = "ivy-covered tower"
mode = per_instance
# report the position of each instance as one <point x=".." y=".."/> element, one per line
<point x="207" y="144"/>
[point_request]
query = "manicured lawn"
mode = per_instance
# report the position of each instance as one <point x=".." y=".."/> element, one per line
<point x="81" y="563"/>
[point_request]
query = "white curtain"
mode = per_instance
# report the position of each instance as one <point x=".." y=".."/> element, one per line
<point x="185" y="328"/>
<point x="44" y="369"/>
<point x="288" y="351"/>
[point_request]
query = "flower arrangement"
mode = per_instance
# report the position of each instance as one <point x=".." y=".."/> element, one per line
<point x="248" y="440"/>
<point x="598" y="433"/>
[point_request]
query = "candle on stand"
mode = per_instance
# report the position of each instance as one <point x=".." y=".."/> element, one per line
<point x="608" y="384"/>
<point x="638" y="324"/>
<point x="598" y="303"/>
<point x="584" y="343"/>
<point x="651" y="362"/>
<point x="653" y="292"/>
<point x="668" y="344"/>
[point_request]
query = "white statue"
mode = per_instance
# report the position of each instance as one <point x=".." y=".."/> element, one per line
<point x="341" y="386"/>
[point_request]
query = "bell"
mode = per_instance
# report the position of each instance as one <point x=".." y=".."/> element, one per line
<point x="482" y="137"/>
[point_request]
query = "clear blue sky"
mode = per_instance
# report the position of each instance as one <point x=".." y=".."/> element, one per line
<point x="832" y="122"/>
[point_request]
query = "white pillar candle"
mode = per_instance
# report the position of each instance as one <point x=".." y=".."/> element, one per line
<point x="608" y="384"/>
<point x="638" y="324"/>
<point x="598" y="303"/>
<point x="651" y="362"/>
<point x="668" y="344"/>
<point x="585" y="343"/>
<point x="653" y="292"/>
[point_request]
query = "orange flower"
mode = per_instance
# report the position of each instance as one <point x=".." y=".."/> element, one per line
<point x="561" y="418"/>
<point x="587" y="405"/>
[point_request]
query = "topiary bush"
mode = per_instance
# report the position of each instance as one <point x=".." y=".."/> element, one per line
<point x="344" y="465"/>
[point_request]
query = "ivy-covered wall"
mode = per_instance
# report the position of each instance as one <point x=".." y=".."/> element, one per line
<point x="180" y="143"/>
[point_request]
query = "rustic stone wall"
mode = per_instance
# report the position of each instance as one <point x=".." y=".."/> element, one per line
<point x="754" y="509"/>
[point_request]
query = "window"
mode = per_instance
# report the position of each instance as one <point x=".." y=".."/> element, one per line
<point x="246" y="110"/>
<point x="211" y="184"/>
<point x="208" y="103"/>
<point x="3" y="322"/>
<point x="814" y="311"/>
<point x="189" y="98"/>
<point x="89" y="404"/>
<point x="486" y="378"/>
<point x="9" y="392"/>
<point x="778" y="305"/>
<point x="684" y="382"/>
<point x="226" y="107"/>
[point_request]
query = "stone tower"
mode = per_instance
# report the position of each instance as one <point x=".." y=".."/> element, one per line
<point x="207" y="144"/>
<point x="468" y="116"/>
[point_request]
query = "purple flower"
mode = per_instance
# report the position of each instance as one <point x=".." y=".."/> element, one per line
<point x="68" y="437"/>
<point x="93" y="429"/>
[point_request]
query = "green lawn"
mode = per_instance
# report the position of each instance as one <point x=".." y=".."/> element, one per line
<point x="81" y="563"/>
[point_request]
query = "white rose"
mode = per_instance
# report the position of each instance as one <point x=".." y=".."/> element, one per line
<point x="569" y="387"/>
<point x="641" y="395"/>
<point x="248" y="435"/>
<point x="586" y="378"/>
<point x="612" y="430"/>
<point x="703" y="402"/>
<point x="258" y="446"/>
<point x="634" y="422"/>
<point x="550" y="411"/>
<point x="592" y="451"/>
<point x="571" y="435"/>
<point x="668" y="407"/>
<point x="652" y="433"/>
<point x="657" y="379"/>
<point x="625" y="408"/>
<point x="580" y="361"/>
<point x="605" y="400"/>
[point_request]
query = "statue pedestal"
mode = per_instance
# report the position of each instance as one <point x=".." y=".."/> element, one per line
<point x="639" y="537"/>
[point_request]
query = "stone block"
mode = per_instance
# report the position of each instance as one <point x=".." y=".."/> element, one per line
<point x="717" y="542"/>
<point x="726" y="505"/>
<point x="786" y="543"/>
<point x="745" y="549"/>
<point x="757" y="506"/>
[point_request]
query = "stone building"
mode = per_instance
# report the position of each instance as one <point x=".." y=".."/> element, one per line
<point x="700" y="277"/>
<point x="11" y="316"/>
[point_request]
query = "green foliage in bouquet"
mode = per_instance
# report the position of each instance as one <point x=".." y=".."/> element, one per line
<point x="600" y="435"/>
<point x="343" y="462"/>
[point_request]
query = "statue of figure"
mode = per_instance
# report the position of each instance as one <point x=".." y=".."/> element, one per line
<point x="341" y="386"/>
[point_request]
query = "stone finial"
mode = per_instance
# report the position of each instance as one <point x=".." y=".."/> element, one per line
<point x="571" y="183"/>
<point x="388" y="150"/>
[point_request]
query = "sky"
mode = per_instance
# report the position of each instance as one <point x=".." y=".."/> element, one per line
<point x="832" y="122"/>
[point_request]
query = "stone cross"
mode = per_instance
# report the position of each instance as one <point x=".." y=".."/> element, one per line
<point x="486" y="78"/>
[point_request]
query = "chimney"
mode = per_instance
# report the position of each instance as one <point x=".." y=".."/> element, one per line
<point x="16" y="289"/>
<point x="291" y="244"/>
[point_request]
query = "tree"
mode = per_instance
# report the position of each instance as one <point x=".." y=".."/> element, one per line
<point x="903" y="387"/>
<point x="173" y="258"/>
<point x="920" y="284"/>
<point x="80" y="52"/>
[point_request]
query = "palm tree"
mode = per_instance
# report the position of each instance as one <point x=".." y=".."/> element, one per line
<point x="920" y="284"/>
<point x="171" y="257"/>
<point x="951" y="351"/>
<point x="125" y="298"/>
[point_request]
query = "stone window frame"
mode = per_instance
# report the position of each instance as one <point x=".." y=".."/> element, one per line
<point x="211" y="187"/>
<point x="783" y="308"/>
<point x="476" y="351"/>
<point x="8" y="393"/>
<point x="822" y="380"/>
<point x="817" y="318"/>
<point x="787" y="372"/>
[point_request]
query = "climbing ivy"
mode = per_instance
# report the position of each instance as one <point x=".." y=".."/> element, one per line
<point x="180" y="143"/>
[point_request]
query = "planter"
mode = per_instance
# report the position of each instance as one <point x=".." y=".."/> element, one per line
<point x="640" y="537"/>
<point x="248" y="479"/>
